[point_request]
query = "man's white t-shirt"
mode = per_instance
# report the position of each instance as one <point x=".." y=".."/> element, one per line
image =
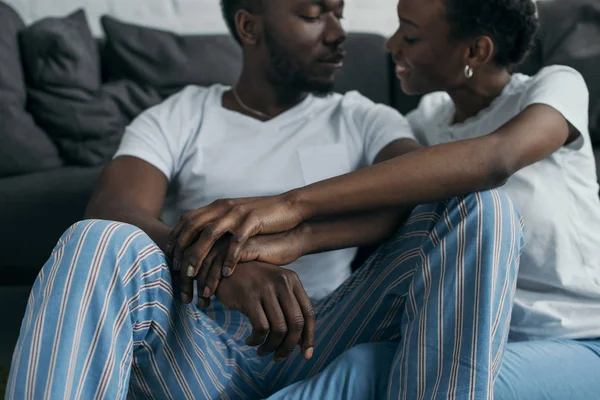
<point x="558" y="288"/>
<point x="209" y="152"/>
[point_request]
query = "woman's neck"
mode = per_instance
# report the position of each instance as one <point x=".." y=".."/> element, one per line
<point x="478" y="93"/>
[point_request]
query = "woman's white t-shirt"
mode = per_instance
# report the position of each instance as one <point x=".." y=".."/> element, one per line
<point x="558" y="288"/>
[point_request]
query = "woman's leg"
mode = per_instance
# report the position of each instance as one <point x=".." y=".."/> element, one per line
<point x="552" y="369"/>
<point x="361" y="372"/>
<point x="442" y="288"/>
<point x="102" y="321"/>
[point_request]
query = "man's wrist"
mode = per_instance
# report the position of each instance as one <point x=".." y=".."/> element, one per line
<point x="305" y="236"/>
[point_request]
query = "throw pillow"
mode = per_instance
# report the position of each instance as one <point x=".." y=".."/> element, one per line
<point x="168" y="61"/>
<point x="24" y="147"/>
<point x="66" y="95"/>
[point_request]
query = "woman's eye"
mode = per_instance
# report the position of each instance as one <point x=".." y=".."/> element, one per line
<point x="310" y="19"/>
<point x="410" y="40"/>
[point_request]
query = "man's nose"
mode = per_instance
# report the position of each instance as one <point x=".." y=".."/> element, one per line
<point x="335" y="33"/>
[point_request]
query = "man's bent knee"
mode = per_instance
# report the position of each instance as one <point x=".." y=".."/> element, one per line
<point x="94" y="241"/>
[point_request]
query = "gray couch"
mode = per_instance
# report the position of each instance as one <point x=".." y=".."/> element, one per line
<point x="36" y="207"/>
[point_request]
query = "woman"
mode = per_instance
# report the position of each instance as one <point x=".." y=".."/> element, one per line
<point x="486" y="128"/>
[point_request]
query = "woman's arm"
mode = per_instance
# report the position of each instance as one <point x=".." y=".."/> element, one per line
<point x="422" y="176"/>
<point x="442" y="171"/>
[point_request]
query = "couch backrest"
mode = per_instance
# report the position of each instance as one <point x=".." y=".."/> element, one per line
<point x="368" y="68"/>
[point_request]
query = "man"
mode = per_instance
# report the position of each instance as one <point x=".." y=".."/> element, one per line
<point x="103" y="319"/>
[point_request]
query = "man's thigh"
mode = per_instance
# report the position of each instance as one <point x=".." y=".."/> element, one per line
<point x="550" y="369"/>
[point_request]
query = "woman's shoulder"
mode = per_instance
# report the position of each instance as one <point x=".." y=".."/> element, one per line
<point x="559" y="80"/>
<point x="557" y="72"/>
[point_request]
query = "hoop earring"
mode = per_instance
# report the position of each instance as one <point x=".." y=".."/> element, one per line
<point x="468" y="72"/>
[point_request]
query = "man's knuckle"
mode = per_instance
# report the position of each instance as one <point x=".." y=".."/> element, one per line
<point x="297" y="323"/>
<point x="280" y="330"/>
<point x="262" y="328"/>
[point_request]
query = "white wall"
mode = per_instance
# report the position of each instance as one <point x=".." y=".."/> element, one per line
<point x="195" y="16"/>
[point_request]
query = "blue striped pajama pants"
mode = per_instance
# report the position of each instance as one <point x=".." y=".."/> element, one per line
<point x="103" y="321"/>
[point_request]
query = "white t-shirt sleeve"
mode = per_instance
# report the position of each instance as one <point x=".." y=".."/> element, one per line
<point x="431" y="108"/>
<point x="159" y="135"/>
<point x="377" y="124"/>
<point x="565" y="90"/>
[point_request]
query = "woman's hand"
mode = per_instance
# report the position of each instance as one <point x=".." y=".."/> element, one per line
<point x="277" y="306"/>
<point x="278" y="249"/>
<point x="196" y="233"/>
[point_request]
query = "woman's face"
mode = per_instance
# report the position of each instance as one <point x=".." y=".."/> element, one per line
<point x="427" y="58"/>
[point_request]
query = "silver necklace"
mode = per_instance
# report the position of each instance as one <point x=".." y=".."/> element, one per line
<point x="245" y="107"/>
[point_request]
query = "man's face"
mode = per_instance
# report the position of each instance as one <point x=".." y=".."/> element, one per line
<point x="303" y="40"/>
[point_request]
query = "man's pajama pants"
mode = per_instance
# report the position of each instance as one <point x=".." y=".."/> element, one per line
<point x="103" y="321"/>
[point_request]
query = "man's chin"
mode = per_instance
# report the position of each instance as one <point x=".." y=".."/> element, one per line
<point x="319" y="88"/>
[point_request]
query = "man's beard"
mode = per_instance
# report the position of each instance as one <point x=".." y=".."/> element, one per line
<point x="289" y="74"/>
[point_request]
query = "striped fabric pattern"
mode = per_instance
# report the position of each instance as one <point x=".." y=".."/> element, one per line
<point x="103" y="321"/>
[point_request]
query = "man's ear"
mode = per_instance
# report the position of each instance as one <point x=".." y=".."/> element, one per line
<point x="249" y="27"/>
<point x="481" y="51"/>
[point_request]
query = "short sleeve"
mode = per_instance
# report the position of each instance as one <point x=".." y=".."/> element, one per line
<point x="433" y="111"/>
<point x="158" y="135"/>
<point x="565" y="90"/>
<point x="378" y="124"/>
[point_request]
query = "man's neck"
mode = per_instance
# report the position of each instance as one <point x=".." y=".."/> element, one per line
<point x="258" y="94"/>
<point x="469" y="100"/>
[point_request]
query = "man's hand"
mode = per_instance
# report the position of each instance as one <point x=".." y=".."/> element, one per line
<point x="276" y="304"/>
<point x="278" y="249"/>
<point x="194" y="236"/>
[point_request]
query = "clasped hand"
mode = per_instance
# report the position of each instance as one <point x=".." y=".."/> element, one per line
<point x="207" y="245"/>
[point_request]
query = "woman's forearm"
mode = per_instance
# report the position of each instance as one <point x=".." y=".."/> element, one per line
<point x="422" y="176"/>
<point x="351" y="230"/>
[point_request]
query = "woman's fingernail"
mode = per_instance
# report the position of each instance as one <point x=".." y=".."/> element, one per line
<point x="206" y="292"/>
<point x="190" y="271"/>
<point x="227" y="271"/>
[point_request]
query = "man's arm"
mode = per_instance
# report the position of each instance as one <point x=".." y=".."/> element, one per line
<point x="133" y="191"/>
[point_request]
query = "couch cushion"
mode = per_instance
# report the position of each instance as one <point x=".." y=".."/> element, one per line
<point x="570" y="35"/>
<point x="366" y="68"/>
<point x="168" y="61"/>
<point x="35" y="209"/>
<point x="23" y="146"/>
<point x="83" y="116"/>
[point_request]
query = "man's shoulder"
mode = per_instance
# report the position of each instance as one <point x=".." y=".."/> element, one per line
<point x="191" y="95"/>
<point x="355" y="102"/>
